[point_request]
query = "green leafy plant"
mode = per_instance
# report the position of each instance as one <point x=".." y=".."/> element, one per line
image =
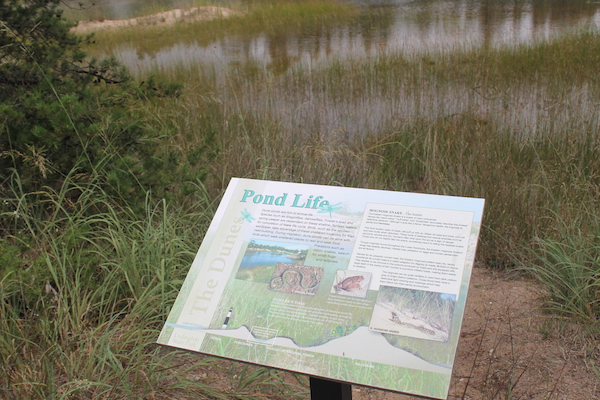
<point x="60" y="110"/>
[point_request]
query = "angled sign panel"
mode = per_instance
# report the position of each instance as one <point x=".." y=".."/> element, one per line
<point x="361" y="286"/>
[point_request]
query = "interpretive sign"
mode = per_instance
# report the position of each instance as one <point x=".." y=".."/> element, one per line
<point x="355" y="285"/>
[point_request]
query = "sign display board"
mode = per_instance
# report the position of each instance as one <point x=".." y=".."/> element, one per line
<point x="355" y="285"/>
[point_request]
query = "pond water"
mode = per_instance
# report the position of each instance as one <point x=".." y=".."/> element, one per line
<point x="419" y="25"/>
<point x="334" y="114"/>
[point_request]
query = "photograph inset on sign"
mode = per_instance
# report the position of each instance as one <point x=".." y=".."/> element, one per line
<point x="415" y="313"/>
<point x="351" y="283"/>
<point x="262" y="256"/>
<point x="297" y="279"/>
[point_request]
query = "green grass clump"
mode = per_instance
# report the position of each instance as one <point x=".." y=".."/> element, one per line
<point x="568" y="268"/>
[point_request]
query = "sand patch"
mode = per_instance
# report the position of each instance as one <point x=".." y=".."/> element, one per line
<point x="165" y="18"/>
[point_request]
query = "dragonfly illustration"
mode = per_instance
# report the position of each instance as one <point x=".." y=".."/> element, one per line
<point x="247" y="216"/>
<point x="330" y="208"/>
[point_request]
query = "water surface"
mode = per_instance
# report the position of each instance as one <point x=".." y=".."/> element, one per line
<point x="332" y="112"/>
<point x="411" y="26"/>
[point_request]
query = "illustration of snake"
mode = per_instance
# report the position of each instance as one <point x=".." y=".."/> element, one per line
<point x="396" y="319"/>
<point x="293" y="277"/>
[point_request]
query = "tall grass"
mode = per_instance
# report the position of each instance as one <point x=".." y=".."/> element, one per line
<point x="275" y="18"/>
<point x="518" y="126"/>
<point x="81" y="315"/>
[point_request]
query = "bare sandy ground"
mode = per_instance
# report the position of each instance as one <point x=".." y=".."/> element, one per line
<point x="161" y="19"/>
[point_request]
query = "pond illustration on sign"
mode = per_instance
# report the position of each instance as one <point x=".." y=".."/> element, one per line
<point x="262" y="256"/>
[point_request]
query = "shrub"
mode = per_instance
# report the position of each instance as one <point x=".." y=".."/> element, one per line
<point x="61" y="111"/>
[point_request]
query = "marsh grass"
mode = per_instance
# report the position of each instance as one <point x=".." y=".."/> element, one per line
<point x="443" y="128"/>
<point x="516" y="125"/>
<point x="276" y="19"/>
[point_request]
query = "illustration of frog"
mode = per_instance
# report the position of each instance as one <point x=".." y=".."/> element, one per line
<point x="350" y="284"/>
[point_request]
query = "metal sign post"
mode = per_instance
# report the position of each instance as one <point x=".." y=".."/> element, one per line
<point x="323" y="389"/>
